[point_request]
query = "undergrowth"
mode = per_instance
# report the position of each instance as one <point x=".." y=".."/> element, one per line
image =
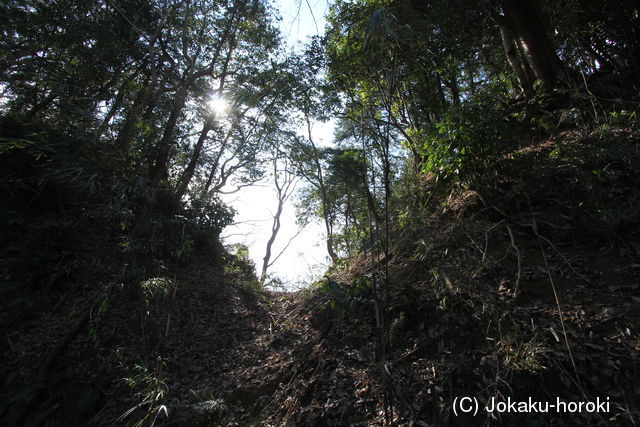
<point x="489" y="283"/>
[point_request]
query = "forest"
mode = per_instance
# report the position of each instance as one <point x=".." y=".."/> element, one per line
<point x="478" y="201"/>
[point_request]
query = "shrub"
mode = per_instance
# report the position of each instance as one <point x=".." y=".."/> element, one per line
<point x="463" y="144"/>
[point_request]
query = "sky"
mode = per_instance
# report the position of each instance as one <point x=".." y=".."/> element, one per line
<point x="301" y="18"/>
<point x="305" y="259"/>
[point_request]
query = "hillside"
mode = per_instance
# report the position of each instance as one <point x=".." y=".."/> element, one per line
<point x="513" y="295"/>
<point x="476" y="284"/>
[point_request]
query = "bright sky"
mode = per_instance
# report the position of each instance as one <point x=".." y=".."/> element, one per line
<point x="302" y="18"/>
<point x="306" y="257"/>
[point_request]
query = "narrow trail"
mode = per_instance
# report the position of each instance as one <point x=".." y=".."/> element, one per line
<point x="229" y="345"/>
<point x="257" y="359"/>
<point x="216" y="331"/>
<point x="219" y="333"/>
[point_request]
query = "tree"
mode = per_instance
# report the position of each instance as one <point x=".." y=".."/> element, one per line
<point x="116" y="90"/>
<point x="285" y="184"/>
<point x="522" y="31"/>
<point x="307" y="159"/>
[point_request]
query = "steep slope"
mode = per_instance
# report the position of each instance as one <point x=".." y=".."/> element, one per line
<point x="528" y="291"/>
<point x="525" y="290"/>
<point x="173" y="346"/>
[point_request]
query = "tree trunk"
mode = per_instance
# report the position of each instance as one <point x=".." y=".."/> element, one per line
<point x="275" y="228"/>
<point x="332" y="254"/>
<point x="128" y="131"/>
<point x="323" y="195"/>
<point x="522" y="17"/>
<point x="528" y="71"/>
<point x="216" y="161"/>
<point x="208" y="125"/>
<point x="117" y="102"/>
<point x="511" y="52"/>
<point x="191" y="167"/>
<point x="159" y="169"/>
<point x="452" y="83"/>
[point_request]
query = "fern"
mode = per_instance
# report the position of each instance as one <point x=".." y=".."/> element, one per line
<point x="398" y="327"/>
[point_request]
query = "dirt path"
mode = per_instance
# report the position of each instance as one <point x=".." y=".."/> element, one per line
<point x="220" y="330"/>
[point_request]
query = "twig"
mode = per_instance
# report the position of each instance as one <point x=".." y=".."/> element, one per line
<point x="486" y="240"/>
<point x="513" y="245"/>
<point x="555" y="294"/>
<point x="486" y="237"/>
<point x="286" y="246"/>
<point x="404" y="356"/>
<point x="535" y="230"/>
<point x="476" y="246"/>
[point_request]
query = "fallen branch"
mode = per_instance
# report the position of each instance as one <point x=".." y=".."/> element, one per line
<point x="486" y="238"/>
<point x="534" y="225"/>
<point x="46" y="363"/>
<point x="550" y="243"/>
<point x="513" y="245"/>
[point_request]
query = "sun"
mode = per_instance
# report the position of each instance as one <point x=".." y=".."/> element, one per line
<point x="218" y="105"/>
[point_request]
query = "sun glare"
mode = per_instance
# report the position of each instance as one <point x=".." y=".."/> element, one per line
<point x="218" y="105"/>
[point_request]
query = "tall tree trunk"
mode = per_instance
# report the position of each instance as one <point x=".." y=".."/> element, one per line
<point x="285" y="184"/>
<point x="347" y="216"/>
<point x="128" y="129"/>
<point x="191" y="167"/>
<point x="208" y="125"/>
<point x="216" y="161"/>
<point x="523" y="18"/>
<point x="528" y="71"/>
<point x="275" y="226"/>
<point x="329" y="229"/>
<point x="511" y="52"/>
<point x="324" y="196"/>
<point x="117" y="102"/>
<point x="452" y="83"/>
<point x="326" y="215"/>
<point x="159" y="168"/>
